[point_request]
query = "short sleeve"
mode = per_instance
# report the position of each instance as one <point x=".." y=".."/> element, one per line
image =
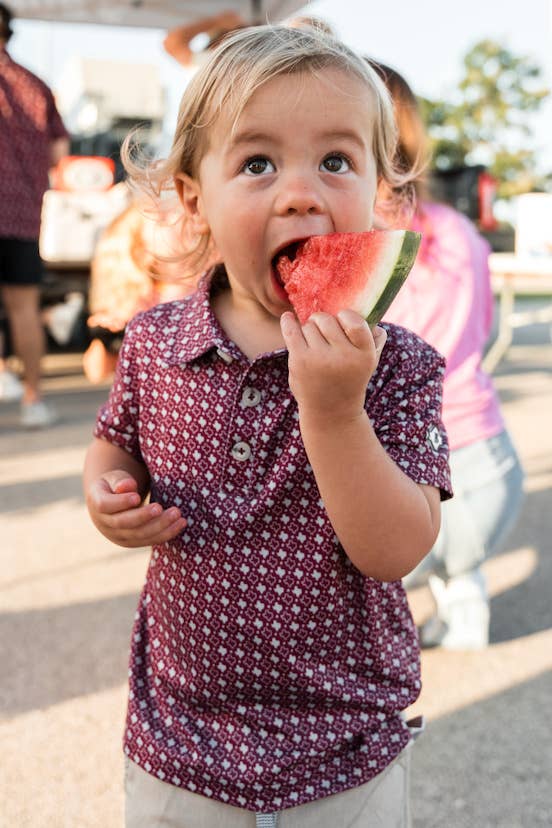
<point x="118" y="420"/>
<point x="404" y="401"/>
<point x="56" y="127"/>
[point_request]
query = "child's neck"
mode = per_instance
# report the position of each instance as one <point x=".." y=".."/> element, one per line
<point x="247" y="324"/>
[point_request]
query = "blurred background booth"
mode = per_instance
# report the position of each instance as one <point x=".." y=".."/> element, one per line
<point x="100" y="101"/>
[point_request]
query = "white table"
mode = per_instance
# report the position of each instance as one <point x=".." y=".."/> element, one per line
<point x="516" y="275"/>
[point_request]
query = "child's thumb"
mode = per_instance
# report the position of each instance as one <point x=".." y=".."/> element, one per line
<point x="380" y="338"/>
<point x="120" y="481"/>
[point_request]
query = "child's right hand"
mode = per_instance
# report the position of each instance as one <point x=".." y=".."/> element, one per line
<point x="116" y="509"/>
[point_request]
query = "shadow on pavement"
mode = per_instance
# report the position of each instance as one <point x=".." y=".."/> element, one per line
<point x="527" y="608"/>
<point x="22" y="497"/>
<point x="77" y="411"/>
<point x="481" y="756"/>
<point x="70" y="568"/>
<point x="55" y="654"/>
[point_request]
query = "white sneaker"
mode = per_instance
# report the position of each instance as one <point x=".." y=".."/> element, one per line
<point x="61" y="318"/>
<point x="11" y="388"/>
<point x="38" y="415"/>
<point x="463" y="615"/>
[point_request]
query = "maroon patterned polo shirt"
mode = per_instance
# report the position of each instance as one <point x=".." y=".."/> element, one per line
<point x="29" y="122"/>
<point x="266" y="671"/>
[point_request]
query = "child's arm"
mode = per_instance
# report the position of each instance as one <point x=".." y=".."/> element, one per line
<point x="385" y="522"/>
<point x="177" y="41"/>
<point x="115" y="484"/>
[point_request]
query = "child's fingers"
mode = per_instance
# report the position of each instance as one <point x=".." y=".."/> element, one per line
<point x="120" y="481"/>
<point x="160" y="523"/>
<point x="170" y="524"/>
<point x="320" y="330"/>
<point x="104" y="500"/>
<point x="356" y="328"/>
<point x="380" y="338"/>
<point x="142" y="527"/>
<point x="125" y="484"/>
<point x="328" y="327"/>
<point x="292" y="332"/>
<point x="168" y="533"/>
<point x="137" y="518"/>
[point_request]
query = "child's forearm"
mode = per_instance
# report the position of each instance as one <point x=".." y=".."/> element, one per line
<point x="385" y="522"/>
<point x="103" y="457"/>
<point x="177" y="40"/>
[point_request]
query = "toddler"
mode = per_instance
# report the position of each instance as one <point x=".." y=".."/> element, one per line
<point x="294" y="473"/>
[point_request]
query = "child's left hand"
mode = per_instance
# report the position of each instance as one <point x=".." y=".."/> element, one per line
<point x="331" y="360"/>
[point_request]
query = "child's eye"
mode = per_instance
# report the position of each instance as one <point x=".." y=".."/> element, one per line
<point x="336" y="163"/>
<point x="258" y="166"/>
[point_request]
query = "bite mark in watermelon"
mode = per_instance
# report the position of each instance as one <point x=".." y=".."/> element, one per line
<point x="361" y="271"/>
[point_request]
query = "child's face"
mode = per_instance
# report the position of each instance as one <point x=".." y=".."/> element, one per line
<point x="299" y="163"/>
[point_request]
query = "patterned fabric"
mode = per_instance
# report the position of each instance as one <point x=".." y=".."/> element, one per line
<point x="30" y="122"/>
<point x="266" y="671"/>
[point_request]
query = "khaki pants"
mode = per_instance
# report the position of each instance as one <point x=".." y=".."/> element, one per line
<point x="381" y="803"/>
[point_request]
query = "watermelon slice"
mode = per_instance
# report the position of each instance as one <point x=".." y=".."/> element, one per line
<point x="361" y="271"/>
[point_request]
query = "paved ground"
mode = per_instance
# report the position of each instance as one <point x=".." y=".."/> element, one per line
<point x="67" y="599"/>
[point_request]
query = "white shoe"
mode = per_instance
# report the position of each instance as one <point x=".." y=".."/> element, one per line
<point x="11" y="388"/>
<point x="463" y="615"/>
<point x="61" y="318"/>
<point x="38" y="415"/>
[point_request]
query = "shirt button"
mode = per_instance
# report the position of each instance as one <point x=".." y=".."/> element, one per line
<point x="241" y="451"/>
<point x="250" y="397"/>
<point x="225" y="356"/>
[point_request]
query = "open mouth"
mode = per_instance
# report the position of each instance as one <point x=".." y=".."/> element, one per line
<point x="289" y="252"/>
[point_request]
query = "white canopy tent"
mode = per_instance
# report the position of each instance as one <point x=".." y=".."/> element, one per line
<point x="159" y="14"/>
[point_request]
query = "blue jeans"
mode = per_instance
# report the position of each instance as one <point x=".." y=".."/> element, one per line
<point x="487" y="480"/>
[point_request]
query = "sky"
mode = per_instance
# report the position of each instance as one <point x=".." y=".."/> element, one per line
<point x="425" y="40"/>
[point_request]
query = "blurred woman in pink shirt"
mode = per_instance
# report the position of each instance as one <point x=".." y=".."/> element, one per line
<point x="447" y="300"/>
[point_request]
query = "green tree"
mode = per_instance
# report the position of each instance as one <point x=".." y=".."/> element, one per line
<point x="486" y="121"/>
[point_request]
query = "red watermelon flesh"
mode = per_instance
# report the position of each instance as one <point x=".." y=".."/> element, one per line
<point x="361" y="271"/>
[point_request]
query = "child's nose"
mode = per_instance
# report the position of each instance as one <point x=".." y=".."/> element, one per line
<point x="299" y="195"/>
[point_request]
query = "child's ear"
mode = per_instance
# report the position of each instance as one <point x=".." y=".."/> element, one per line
<point x="189" y="195"/>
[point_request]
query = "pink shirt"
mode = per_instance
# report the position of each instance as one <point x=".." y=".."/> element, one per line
<point x="266" y="671"/>
<point x="447" y="300"/>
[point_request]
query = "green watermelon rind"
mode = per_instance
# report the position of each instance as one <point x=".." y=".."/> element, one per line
<point x="384" y="260"/>
<point x="402" y="267"/>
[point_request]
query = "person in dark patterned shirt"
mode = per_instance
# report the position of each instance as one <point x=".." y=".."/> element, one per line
<point x="32" y="139"/>
<point x="294" y="473"/>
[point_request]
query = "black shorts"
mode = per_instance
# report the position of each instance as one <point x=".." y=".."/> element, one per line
<point x="111" y="341"/>
<point x="20" y="262"/>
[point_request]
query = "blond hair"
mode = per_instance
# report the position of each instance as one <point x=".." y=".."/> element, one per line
<point x="305" y="21"/>
<point x="413" y="150"/>
<point x="241" y="63"/>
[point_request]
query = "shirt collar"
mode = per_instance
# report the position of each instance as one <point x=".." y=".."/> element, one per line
<point x="196" y="330"/>
<point x="193" y="330"/>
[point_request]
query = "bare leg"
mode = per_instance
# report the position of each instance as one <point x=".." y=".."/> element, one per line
<point x="22" y="306"/>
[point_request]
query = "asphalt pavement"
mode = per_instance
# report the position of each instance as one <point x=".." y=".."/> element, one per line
<point x="67" y="600"/>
